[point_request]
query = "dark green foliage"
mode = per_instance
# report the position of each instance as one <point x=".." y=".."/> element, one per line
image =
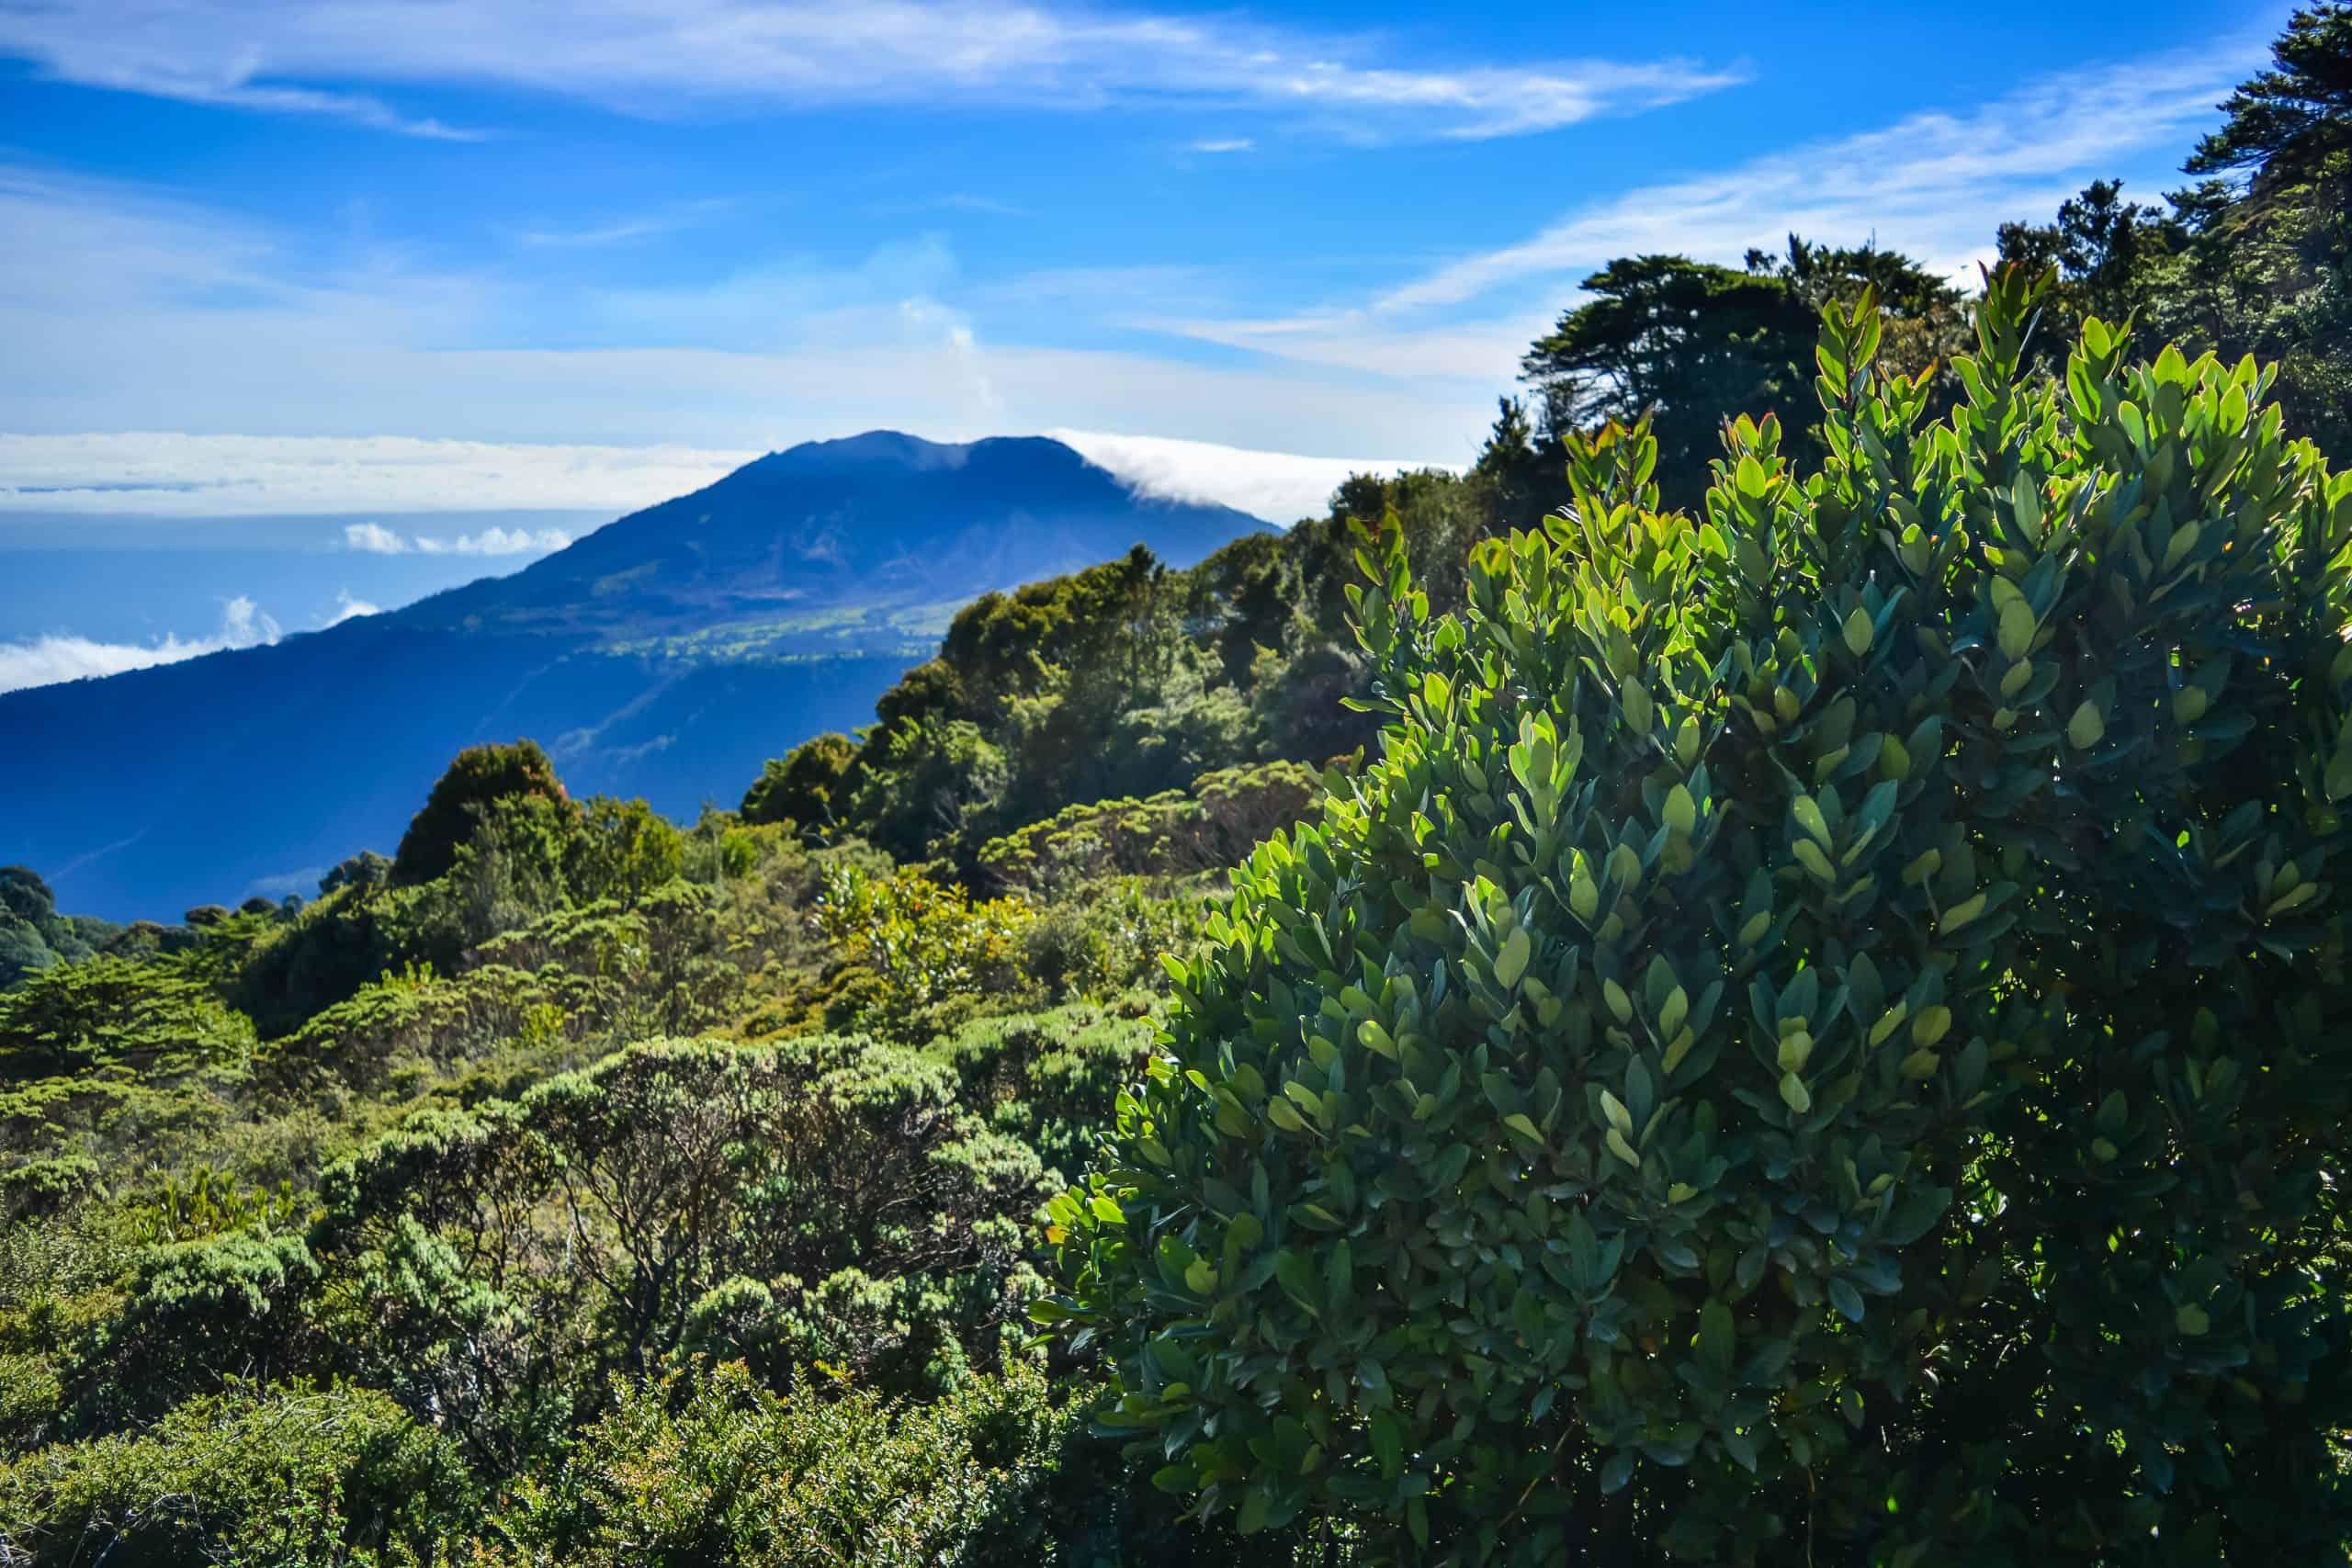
<point x="196" y="1312"/>
<point x="802" y="786"/>
<point x="33" y="935"/>
<point x="1822" y="1038"/>
<point x="2293" y="122"/>
<point x="679" y="1177"/>
<point x="284" y="1477"/>
<point x="365" y="869"/>
<point x="478" y="777"/>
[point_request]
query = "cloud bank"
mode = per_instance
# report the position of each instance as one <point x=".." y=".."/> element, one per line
<point x="1281" y="487"/>
<point x="179" y="475"/>
<point x="47" y="660"/>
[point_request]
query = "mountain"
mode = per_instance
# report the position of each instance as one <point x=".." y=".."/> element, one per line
<point x="666" y="654"/>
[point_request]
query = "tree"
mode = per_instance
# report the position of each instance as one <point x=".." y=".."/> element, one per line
<point x="803" y="786"/>
<point x="2105" y="249"/>
<point x="1689" y="343"/>
<point x="1821" y="1039"/>
<point x="1693" y="344"/>
<point x="2292" y="124"/>
<point x="2254" y="258"/>
<point x="478" y="776"/>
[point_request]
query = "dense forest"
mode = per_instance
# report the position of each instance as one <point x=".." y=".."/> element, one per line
<point x="1751" y="980"/>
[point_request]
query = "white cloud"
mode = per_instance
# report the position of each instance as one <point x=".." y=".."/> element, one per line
<point x="1281" y="487"/>
<point x="1223" y="145"/>
<point x="349" y="608"/>
<point x="496" y="541"/>
<point x="48" y="660"/>
<point x="125" y="313"/>
<point x="655" y="60"/>
<point x="373" y="538"/>
<point x="173" y="474"/>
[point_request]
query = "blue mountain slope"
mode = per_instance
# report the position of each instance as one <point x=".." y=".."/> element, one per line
<point x="666" y="654"/>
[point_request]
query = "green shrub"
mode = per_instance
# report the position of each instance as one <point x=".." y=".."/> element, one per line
<point x="197" y="1311"/>
<point x="626" y="849"/>
<point x="334" y="1478"/>
<point x="507" y="1259"/>
<point x="1049" y="1080"/>
<point x="907" y="945"/>
<point x="715" y="1472"/>
<point x="1822" y="1038"/>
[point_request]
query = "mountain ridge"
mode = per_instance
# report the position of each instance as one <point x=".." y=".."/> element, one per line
<point x="666" y="653"/>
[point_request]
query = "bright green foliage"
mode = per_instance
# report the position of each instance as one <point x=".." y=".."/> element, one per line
<point x="1048" y="1079"/>
<point x="1821" y="1040"/>
<point x="103" y="1060"/>
<point x="197" y="1311"/>
<point x="302" y="1479"/>
<point x="909" y="944"/>
<point x="625" y="850"/>
<point x="425" y="1020"/>
<point x="475" y="778"/>
<point x="691" y="1472"/>
<point x="802" y="786"/>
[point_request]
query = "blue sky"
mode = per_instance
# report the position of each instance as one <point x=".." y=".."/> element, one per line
<point x="491" y="256"/>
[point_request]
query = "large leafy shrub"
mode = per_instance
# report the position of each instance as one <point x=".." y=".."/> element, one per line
<point x="1821" y="1039"/>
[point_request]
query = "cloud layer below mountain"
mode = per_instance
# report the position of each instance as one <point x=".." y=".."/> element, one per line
<point x="46" y="661"/>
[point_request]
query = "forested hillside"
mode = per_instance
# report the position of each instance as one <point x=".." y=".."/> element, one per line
<point x="1756" y="979"/>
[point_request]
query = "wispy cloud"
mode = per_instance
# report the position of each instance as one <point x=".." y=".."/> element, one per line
<point x="1280" y="487"/>
<point x="48" y="660"/>
<point x="495" y="541"/>
<point x="656" y="60"/>
<point x="1936" y="185"/>
<point x="1223" y="145"/>
<point x="954" y="201"/>
<point x="349" y="608"/>
<point x="621" y="231"/>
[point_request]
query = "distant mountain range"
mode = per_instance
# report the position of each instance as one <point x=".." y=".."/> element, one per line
<point x="667" y="655"/>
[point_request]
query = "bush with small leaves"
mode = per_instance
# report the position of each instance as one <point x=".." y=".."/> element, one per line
<point x="1823" y="1036"/>
<point x="334" y="1475"/>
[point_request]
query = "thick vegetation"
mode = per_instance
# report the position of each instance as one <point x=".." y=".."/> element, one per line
<point x="1822" y="1036"/>
<point x="1803" y="1027"/>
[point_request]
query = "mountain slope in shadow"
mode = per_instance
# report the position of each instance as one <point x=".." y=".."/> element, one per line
<point x="667" y="654"/>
